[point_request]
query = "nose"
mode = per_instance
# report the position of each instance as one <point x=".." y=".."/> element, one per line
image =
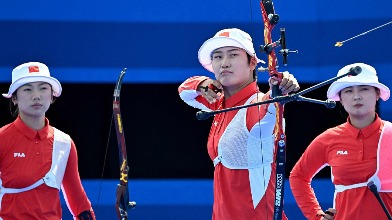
<point x="225" y="63"/>
<point x="357" y="95"/>
<point x="36" y="95"/>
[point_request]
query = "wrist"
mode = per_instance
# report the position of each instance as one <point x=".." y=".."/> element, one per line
<point x="86" y="215"/>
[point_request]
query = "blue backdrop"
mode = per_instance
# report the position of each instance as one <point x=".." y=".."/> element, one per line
<point x="91" y="41"/>
<point x="179" y="199"/>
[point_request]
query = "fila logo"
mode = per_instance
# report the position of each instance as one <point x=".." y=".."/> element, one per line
<point x="342" y="152"/>
<point x="19" y="155"/>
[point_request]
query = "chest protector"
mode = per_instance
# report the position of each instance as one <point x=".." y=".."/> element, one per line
<point x="239" y="149"/>
<point x="54" y="178"/>
<point x="383" y="175"/>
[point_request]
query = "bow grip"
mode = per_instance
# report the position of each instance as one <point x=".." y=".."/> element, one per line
<point x="275" y="91"/>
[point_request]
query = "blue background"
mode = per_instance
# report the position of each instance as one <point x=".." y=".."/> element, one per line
<point x="89" y="42"/>
<point x="179" y="199"/>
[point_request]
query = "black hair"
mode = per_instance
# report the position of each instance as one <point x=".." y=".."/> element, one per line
<point x="254" y="71"/>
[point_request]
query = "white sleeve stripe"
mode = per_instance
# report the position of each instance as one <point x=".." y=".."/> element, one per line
<point x="189" y="97"/>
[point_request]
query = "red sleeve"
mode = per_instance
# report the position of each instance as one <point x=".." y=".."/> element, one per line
<point x="189" y="94"/>
<point x="72" y="188"/>
<point x="311" y="162"/>
<point x="256" y="113"/>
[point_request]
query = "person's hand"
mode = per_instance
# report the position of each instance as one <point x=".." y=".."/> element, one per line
<point x="209" y="89"/>
<point x="288" y="84"/>
<point x="327" y="214"/>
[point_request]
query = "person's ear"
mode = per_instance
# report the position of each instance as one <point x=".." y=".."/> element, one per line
<point x="253" y="62"/>
<point x="378" y="93"/>
<point x="13" y="99"/>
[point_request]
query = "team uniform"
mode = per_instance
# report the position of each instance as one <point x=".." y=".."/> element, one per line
<point x="352" y="155"/>
<point x="240" y="144"/>
<point x="34" y="166"/>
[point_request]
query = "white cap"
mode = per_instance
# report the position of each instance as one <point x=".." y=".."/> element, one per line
<point x="368" y="76"/>
<point x="32" y="72"/>
<point x="232" y="37"/>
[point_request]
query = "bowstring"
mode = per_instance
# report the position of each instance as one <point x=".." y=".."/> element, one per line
<point x="259" y="106"/>
<point x="104" y="160"/>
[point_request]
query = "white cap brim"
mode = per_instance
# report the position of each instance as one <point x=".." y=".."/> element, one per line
<point x="336" y="87"/>
<point x="56" y="86"/>
<point x="212" y="44"/>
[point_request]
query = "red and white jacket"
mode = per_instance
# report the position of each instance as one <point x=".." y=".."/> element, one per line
<point x="240" y="144"/>
<point x="34" y="165"/>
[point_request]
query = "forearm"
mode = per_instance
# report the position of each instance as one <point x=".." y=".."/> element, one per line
<point x="304" y="196"/>
<point x="189" y="93"/>
<point x="72" y="188"/>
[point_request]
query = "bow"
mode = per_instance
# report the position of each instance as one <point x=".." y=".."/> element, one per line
<point x="122" y="194"/>
<point x="270" y="20"/>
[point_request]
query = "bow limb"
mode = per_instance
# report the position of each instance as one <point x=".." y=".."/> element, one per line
<point x="270" y="20"/>
<point x="122" y="194"/>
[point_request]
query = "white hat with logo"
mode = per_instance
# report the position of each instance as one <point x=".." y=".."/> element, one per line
<point x="32" y="72"/>
<point x="232" y="37"/>
<point x="368" y="76"/>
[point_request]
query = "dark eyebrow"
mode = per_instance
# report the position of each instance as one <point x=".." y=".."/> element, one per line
<point x="42" y="83"/>
<point x="218" y="51"/>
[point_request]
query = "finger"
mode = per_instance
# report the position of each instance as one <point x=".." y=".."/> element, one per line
<point x="283" y="83"/>
<point x="287" y="84"/>
<point x="331" y="211"/>
<point x="216" y="84"/>
<point x="214" y="94"/>
<point x="291" y="88"/>
<point x="296" y="87"/>
<point x="273" y="81"/>
<point x="287" y="79"/>
<point x="210" y="95"/>
<point x="208" y="98"/>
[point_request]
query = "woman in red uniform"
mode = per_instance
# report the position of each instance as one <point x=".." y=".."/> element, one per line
<point x="240" y="143"/>
<point x="358" y="151"/>
<point x="36" y="159"/>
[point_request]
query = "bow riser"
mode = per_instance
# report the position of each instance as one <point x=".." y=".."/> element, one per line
<point x="270" y="20"/>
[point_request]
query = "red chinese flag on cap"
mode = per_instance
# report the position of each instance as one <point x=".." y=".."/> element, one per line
<point x="224" y="34"/>
<point x="33" y="69"/>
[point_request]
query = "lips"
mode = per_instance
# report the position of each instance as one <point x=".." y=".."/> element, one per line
<point x="37" y="105"/>
<point x="225" y="71"/>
